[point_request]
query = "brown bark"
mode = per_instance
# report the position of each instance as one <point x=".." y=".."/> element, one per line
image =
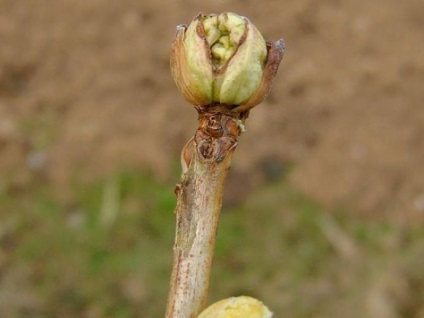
<point x="206" y="158"/>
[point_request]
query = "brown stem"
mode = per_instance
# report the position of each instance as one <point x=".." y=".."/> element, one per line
<point x="199" y="198"/>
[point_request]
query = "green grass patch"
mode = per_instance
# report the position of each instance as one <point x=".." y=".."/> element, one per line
<point x="107" y="252"/>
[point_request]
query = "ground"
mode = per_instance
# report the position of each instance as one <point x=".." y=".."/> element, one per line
<point x="86" y="97"/>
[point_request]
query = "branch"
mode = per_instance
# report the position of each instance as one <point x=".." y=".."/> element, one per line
<point x="199" y="198"/>
<point x="222" y="66"/>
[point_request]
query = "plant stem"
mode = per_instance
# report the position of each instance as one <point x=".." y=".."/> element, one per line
<point x="199" y="198"/>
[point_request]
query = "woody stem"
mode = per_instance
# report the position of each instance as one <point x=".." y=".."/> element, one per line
<point x="199" y="200"/>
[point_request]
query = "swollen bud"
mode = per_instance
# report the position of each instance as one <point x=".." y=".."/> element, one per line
<point x="223" y="59"/>
<point x="237" y="307"/>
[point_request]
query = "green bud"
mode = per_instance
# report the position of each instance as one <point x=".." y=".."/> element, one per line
<point x="237" y="307"/>
<point x="223" y="59"/>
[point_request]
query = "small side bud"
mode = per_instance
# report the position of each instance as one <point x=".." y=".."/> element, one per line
<point x="187" y="155"/>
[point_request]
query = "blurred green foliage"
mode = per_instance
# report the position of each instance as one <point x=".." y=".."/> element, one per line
<point x="108" y="253"/>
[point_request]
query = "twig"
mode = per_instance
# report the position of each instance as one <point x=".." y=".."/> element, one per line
<point x="222" y="66"/>
<point x="199" y="198"/>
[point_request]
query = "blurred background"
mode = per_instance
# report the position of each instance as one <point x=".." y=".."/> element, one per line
<point x="324" y="206"/>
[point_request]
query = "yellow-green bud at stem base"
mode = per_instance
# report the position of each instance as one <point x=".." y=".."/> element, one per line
<point x="224" y="59"/>
<point x="237" y="307"/>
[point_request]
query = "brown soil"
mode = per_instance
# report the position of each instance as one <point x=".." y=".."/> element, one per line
<point x="85" y="89"/>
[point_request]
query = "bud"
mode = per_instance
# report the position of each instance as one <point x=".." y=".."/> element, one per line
<point x="237" y="307"/>
<point x="224" y="59"/>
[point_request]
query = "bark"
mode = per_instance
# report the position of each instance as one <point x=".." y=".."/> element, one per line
<point x="206" y="159"/>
